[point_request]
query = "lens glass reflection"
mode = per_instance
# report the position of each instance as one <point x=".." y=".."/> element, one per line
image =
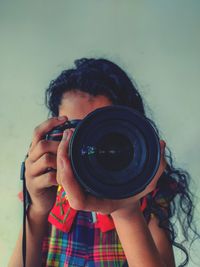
<point x="113" y="152"/>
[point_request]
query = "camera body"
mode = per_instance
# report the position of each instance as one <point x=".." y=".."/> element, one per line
<point x="114" y="151"/>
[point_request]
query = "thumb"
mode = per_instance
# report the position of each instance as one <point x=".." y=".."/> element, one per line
<point x="65" y="176"/>
<point x="63" y="160"/>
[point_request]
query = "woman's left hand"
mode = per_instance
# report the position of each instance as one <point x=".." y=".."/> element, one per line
<point x="79" y="200"/>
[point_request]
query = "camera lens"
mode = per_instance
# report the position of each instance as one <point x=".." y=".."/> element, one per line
<point x="113" y="152"/>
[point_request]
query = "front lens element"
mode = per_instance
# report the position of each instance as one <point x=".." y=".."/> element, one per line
<point x="113" y="152"/>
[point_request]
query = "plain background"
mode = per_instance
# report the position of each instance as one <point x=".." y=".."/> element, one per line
<point x="156" y="41"/>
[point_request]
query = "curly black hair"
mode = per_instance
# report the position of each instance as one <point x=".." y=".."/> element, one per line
<point x="172" y="197"/>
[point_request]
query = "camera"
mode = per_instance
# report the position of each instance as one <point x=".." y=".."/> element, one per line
<point x="114" y="151"/>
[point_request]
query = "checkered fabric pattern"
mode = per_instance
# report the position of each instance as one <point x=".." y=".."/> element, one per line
<point x="83" y="245"/>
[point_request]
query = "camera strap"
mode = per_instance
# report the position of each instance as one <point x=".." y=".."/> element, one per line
<point x="26" y="203"/>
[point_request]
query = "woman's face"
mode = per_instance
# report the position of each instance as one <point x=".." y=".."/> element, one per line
<point x="77" y="104"/>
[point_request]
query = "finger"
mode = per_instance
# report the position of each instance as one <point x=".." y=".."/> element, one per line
<point x="43" y="181"/>
<point x="162" y="147"/>
<point x="43" y="164"/>
<point x="63" y="148"/>
<point x="163" y="162"/>
<point x="45" y="127"/>
<point x="65" y="176"/>
<point x="42" y="147"/>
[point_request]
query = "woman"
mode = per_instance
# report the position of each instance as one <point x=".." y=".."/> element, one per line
<point x="78" y="229"/>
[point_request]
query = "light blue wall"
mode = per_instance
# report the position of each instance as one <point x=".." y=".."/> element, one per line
<point x="156" y="41"/>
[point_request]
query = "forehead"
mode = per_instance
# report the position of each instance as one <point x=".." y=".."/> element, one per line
<point x="76" y="104"/>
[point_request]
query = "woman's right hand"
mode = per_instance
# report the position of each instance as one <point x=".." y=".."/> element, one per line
<point x="41" y="183"/>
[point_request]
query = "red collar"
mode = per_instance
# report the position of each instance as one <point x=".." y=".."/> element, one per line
<point x="62" y="215"/>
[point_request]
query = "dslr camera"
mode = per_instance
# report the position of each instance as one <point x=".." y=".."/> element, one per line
<point x="114" y="151"/>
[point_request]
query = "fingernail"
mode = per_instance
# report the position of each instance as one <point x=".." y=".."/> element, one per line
<point x="61" y="118"/>
<point x="62" y="163"/>
<point x="65" y="134"/>
<point x="163" y="148"/>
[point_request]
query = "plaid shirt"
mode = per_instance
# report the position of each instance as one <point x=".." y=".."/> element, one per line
<point x="89" y="239"/>
<point x="83" y="245"/>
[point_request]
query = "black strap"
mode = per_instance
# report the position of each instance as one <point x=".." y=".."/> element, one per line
<point x="26" y="203"/>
